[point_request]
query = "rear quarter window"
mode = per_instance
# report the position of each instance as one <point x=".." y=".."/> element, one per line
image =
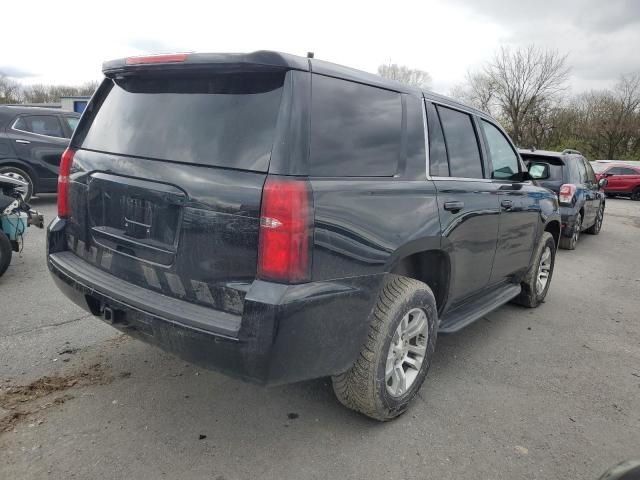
<point x="356" y="129"/>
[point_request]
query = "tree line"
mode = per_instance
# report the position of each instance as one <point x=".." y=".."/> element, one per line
<point x="526" y="89"/>
<point x="12" y="92"/>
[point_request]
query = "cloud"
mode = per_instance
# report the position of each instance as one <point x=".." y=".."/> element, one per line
<point x="600" y="38"/>
<point x="15" y="72"/>
<point x="148" y="45"/>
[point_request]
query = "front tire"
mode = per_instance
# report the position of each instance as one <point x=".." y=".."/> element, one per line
<point x="396" y="356"/>
<point x="535" y="284"/>
<point x="5" y="252"/>
<point x="635" y="195"/>
<point x="569" y="243"/>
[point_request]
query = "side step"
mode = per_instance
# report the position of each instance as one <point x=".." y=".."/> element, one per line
<point x="473" y="310"/>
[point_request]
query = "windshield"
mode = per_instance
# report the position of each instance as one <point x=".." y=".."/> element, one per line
<point x="218" y="120"/>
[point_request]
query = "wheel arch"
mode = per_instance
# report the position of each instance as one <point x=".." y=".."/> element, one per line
<point x="553" y="227"/>
<point x="432" y="267"/>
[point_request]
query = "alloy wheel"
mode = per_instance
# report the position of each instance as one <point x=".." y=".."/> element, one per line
<point x="544" y="270"/>
<point x="406" y="352"/>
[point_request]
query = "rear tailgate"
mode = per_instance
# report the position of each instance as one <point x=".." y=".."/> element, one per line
<point x="167" y="181"/>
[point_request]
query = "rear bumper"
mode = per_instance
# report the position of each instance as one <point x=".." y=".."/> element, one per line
<point x="286" y="333"/>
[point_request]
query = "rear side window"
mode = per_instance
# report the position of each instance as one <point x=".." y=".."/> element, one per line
<point x="582" y="171"/>
<point x="504" y="161"/>
<point x="591" y="177"/>
<point x="225" y="120"/>
<point x="40" y="124"/>
<point x="356" y="129"/>
<point x="72" y="122"/>
<point x="621" y="171"/>
<point x="462" y="144"/>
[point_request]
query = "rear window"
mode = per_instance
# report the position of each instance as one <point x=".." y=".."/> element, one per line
<point x="356" y="129"/>
<point x="224" y="120"/>
<point x="555" y="168"/>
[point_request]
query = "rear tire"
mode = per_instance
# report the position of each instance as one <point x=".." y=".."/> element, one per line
<point x="541" y="270"/>
<point x="20" y="174"/>
<point x="5" y="253"/>
<point x="375" y="385"/>
<point x="569" y="243"/>
<point x="597" y="225"/>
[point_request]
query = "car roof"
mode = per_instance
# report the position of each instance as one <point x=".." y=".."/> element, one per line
<point x="278" y="60"/>
<point x="8" y="112"/>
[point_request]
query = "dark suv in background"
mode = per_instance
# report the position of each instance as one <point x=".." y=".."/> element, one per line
<point x="32" y="140"/>
<point x="572" y="178"/>
<point x="282" y="218"/>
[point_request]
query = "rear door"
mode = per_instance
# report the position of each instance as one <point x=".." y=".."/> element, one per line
<point x="468" y="203"/>
<point x="587" y="189"/>
<point x="39" y="140"/>
<point x="519" y="204"/>
<point x="167" y="180"/>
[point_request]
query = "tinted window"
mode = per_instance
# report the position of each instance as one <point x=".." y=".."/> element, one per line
<point x="462" y="144"/>
<point x="40" y="124"/>
<point x="416" y="158"/>
<point x="582" y="171"/>
<point x="438" y="163"/>
<point x="591" y="177"/>
<point x="356" y="129"/>
<point x="504" y="160"/>
<point x="225" y="120"/>
<point x="72" y="122"/>
<point x="622" y="171"/>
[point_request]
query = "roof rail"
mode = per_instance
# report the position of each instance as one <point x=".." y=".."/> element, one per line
<point x="570" y="151"/>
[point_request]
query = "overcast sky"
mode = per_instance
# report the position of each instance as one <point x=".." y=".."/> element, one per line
<point x="66" y="42"/>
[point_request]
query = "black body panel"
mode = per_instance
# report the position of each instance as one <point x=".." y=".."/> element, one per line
<point x="183" y="237"/>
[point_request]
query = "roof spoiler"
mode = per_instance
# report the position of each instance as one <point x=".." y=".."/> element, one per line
<point x="228" y="62"/>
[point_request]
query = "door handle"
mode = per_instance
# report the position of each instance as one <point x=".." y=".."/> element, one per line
<point x="26" y="142"/>
<point x="454" y="207"/>
<point x="506" y="204"/>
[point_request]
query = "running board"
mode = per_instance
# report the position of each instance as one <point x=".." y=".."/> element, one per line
<point x="468" y="313"/>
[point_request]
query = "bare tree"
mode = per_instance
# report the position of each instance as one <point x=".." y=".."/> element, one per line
<point x="401" y="73"/>
<point x="52" y="93"/>
<point x="10" y="91"/>
<point x="516" y="83"/>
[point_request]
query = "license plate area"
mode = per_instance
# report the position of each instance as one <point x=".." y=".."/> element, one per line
<point x="135" y="217"/>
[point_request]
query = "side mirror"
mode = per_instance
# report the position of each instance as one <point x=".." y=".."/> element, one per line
<point x="603" y="182"/>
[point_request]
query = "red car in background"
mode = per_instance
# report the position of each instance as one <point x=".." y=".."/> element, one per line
<point x="623" y="179"/>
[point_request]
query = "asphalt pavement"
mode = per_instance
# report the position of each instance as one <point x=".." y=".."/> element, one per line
<point x="550" y="393"/>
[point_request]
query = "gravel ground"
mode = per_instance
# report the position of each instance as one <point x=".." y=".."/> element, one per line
<point x="551" y="393"/>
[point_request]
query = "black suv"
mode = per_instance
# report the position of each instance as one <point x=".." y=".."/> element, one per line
<point x="32" y="140"/>
<point x="282" y="218"/>
<point x="570" y="176"/>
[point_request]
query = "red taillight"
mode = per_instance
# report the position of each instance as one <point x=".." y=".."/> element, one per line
<point x="166" y="58"/>
<point x="285" y="230"/>
<point x="567" y="191"/>
<point x="63" y="182"/>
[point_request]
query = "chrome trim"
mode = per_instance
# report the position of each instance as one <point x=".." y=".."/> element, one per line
<point x="464" y="179"/>
<point x="426" y="138"/>
<point x="33" y="133"/>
